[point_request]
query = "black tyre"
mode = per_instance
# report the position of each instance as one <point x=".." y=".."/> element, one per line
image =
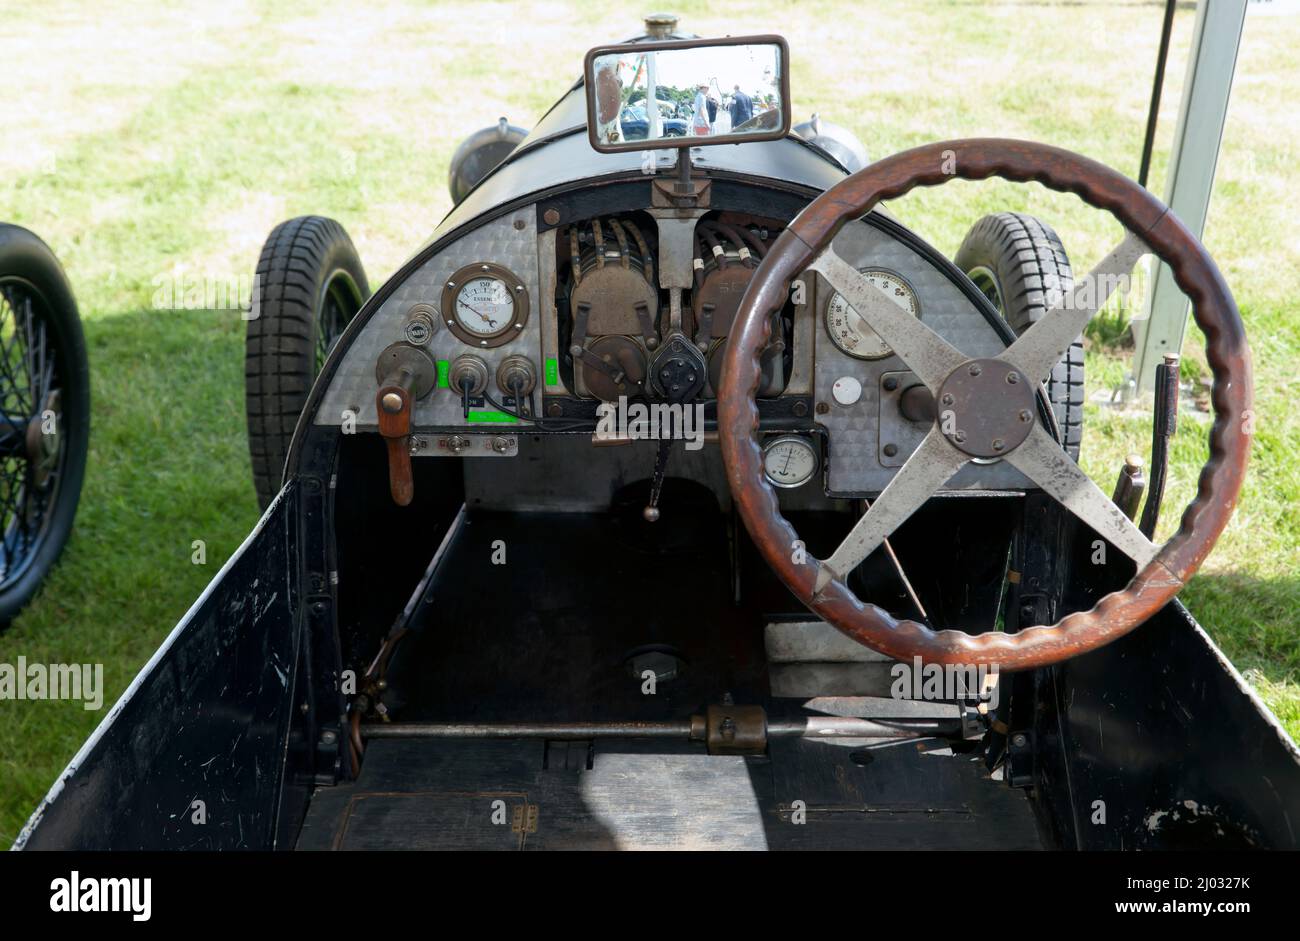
<point x="44" y="415"/>
<point x="1017" y="261"/>
<point x="309" y="285"/>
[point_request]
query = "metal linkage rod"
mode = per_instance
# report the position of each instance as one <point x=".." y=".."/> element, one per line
<point x="687" y="729"/>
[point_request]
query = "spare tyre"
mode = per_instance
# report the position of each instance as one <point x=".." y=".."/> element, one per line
<point x="309" y="286"/>
<point x="1018" y="263"/>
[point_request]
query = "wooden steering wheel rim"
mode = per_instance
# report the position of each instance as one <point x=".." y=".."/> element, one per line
<point x="1144" y="216"/>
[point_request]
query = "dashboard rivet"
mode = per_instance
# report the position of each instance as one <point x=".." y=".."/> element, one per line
<point x="890" y="450"/>
<point x="891" y="383"/>
<point x="551" y="217"/>
<point x="975" y="369"/>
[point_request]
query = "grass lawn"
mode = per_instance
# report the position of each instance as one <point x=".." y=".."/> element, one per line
<point x="171" y="137"/>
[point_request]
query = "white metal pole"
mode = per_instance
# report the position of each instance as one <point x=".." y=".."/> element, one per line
<point x="1197" y="139"/>
<point x="651" y="98"/>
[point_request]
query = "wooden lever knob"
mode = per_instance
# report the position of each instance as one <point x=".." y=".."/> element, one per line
<point x="393" y="403"/>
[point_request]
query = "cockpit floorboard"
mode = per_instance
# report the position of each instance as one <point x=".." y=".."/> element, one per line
<point x="440" y="795"/>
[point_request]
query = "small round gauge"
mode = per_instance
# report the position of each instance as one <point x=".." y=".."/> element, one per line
<point x="851" y="333"/>
<point x="790" y="461"/>
<point x="485" y="305"/>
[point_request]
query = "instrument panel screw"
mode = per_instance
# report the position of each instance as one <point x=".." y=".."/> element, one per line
<point x="555" y="409"/>
<point x="800" y="409"/>
<point x="959" y="436"/>
<point x="1019" y="740"/>
<point x="975" y="369"/>
<point x="519" y="224"/>
<point x="891" y="383"/>
<point x="998" y="444"/>
<point x="1026" y="415"/>
<point x="551" y="217"/>
<point x="947" y="398"/>
<point x="890" y="450"/>
<point x="823" y="408"/>
<point x="1013" y="378"/>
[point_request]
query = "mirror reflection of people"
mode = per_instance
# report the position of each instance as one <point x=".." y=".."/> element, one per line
<point x="742" y="107"/>
<point x="700" y="123"/>
<point x="609" y="95"/>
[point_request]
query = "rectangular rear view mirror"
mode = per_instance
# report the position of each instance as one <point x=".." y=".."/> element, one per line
<point x="687" y="93"/>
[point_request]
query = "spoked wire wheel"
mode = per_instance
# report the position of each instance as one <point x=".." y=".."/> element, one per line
<point x="44" y="414"/>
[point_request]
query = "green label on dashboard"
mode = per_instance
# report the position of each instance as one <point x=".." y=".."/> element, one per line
<point x="552" y="372"/>
<point x="491" y="416"/>
<point x="444" y="367"/>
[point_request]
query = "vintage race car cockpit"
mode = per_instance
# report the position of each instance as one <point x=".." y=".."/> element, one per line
<point x="674" y="494"/>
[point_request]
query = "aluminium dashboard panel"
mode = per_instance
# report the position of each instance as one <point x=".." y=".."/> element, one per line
<point x="510" y="241"/>
<point x="855" y="466"/>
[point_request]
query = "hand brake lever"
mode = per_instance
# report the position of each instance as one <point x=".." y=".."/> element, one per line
<point x="393" y="403"/>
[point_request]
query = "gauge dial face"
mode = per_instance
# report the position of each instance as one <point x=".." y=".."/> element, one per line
<point x="850" y="332"/>
<point x="485" y="305"/>
<point x="790" y="461"/>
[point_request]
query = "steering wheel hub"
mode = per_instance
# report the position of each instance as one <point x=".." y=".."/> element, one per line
<point x="986" y="408"/>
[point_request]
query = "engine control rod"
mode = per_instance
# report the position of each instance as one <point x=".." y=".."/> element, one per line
<point x="724" y="729"/>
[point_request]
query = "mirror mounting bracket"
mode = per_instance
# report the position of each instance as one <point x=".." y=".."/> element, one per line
<point x="683" y="191"/>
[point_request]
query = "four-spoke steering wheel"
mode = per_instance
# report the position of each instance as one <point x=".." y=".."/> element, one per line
<point x="986" y="407"/>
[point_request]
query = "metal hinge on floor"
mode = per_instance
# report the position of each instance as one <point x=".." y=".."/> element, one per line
<point x="524" y="819"/>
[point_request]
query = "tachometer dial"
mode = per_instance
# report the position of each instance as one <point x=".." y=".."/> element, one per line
<point x="790" y="461"/>
<point x="485" y="305"/>
<point x="850" y="332"/>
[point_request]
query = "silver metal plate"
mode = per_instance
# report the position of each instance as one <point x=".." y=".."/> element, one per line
<point x="854" y="465"/>
<point x="498" y="445"/>
<point x="510" y="241"/>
